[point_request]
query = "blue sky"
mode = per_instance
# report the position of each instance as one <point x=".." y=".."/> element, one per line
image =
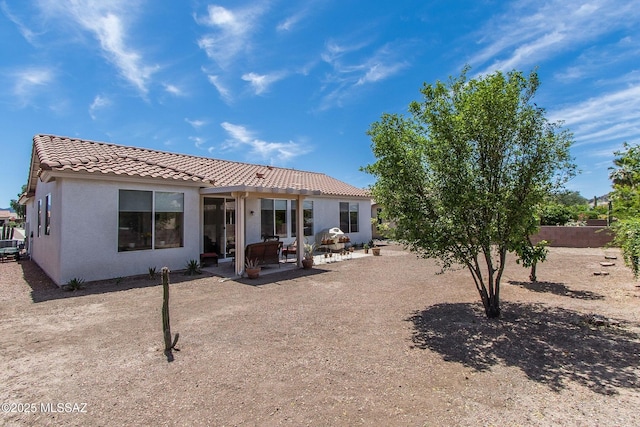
<point x="297" y="84"/>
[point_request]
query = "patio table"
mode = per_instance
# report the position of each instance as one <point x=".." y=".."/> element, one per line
<point x="7" y="252"/>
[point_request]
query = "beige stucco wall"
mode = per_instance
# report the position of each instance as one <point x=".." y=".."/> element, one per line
<point x="84" y="231"/>
<point x="84" y="237"/>
<point x="326" y="214"/>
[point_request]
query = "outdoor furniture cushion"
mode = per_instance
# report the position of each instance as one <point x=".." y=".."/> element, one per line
<point x="264" y="252"/>
<point x="291" y="249"/>
<point x="209" y="255"/>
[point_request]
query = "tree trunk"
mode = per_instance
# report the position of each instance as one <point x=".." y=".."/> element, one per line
<point x="492" y="307"/>
<point x="490" y="300"/>
<point x="532" y="275"/>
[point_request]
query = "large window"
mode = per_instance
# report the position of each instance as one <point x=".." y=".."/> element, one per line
<point x="307" y="217"/>
<point x="278" y="217"/>
<point x="169" y="213"/>
<point x="139" y="228"/>
<point x="349" y="217"/>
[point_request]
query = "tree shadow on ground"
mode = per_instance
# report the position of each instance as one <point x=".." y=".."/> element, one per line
<point x="551" y="345"/>
<point x="557" y="289"/>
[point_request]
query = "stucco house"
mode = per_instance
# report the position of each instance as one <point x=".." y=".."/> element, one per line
<point x="99" y="210"/>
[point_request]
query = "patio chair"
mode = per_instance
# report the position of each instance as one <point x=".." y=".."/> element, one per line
<point x="291" y="249"/>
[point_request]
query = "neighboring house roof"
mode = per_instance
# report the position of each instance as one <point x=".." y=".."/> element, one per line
<point x="63" y="155"/>
<point x="6" y="215"/>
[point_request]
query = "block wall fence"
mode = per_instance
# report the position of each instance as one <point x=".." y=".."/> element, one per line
<point x="574" y="237"/>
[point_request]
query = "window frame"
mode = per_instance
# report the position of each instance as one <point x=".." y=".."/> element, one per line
<point x="39" y="221"/>
<point x="307" y="218"/>
<point x="349" y="217"/>
<point x="141" y="219"/>
<point x="290" y="215"/>
<point x="47" y="215"/>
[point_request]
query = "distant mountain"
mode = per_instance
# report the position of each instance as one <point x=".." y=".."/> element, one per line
<point x="7" y="209"/>
<point x="601" y="200"/>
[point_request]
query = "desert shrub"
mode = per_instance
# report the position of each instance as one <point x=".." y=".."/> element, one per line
<point x="74" y="284"/>
<point x="555" y="214"/>
<point x="627" y="237"/>
<point x="192" y="268"/>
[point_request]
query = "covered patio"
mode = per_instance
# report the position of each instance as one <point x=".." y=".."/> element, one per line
<point x="226" y="269"/>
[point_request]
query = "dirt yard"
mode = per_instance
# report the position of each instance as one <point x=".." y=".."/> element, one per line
<point x="370" y="341"/>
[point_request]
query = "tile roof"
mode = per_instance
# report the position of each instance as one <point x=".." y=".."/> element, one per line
<point x="57" y="153"/>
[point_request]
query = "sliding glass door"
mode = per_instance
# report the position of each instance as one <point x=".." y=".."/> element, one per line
<point x="219" y="226"/>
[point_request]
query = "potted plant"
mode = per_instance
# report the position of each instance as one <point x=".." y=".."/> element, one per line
<point x="375" y="250"/>
<point x="366" y="248"/>
<point x="252" y="268"/>
<point x="307" y="261"/>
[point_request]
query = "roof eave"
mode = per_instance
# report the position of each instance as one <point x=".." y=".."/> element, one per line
<point x="259" y="189"/>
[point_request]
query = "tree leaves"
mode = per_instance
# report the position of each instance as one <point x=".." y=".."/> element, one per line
<point x="461" y="176"/>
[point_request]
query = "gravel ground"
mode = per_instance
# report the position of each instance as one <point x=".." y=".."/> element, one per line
<point x="369" y="341"/>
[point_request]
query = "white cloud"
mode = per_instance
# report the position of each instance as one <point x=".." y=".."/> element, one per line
<point x="196" y="123"/>
<point x="232" y="31"/>
<point x="221" y="88"/>
<point x="26" y="32"/>
<point x="272" y="152"/>
<point x="98" y="102"/>
<point x="199" y="142"/>
<point x="531" y="31"/>
<point x="569" y="74"/>
<point x="29" y="81"/>
<point x="261" y="82"/>
<point x="380" y="71"/>
<point x="288" y="23"/>
<point x="108" y="22"/>
<point x="352" y="69"/>
<point x="611" y="117"/>
<point x="173" y="89"/>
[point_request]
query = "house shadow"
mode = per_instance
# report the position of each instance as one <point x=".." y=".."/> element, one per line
<point x="275" y="277"/>
<point x="44" y="289"/>
<point x="551" y="345"/>
<point x="557" y="289"/>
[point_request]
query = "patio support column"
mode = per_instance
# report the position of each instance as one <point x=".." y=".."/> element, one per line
<point x="240" y="197"/>
<point x="300" y="229"/>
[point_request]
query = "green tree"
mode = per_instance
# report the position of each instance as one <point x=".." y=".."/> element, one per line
<point x="569" y="198"/>
<point x="554" y="214"/>
<point x="461" y="177"/>
<point x="19" y="209"/>
<point x="626" y="181"/>
<point x="625" y="198"/>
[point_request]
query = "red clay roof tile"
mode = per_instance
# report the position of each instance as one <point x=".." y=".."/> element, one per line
<point x="69" y="154"/>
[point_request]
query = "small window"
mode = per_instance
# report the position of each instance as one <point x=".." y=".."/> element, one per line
<point x="39" y="217"/>
<point x="47" y="215"/>
<point x="273" y="217"/>
<point x="307" y="217"/>
<point x="349" y="217"/>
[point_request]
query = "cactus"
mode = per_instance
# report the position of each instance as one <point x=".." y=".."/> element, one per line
<point x="166" y="327"/>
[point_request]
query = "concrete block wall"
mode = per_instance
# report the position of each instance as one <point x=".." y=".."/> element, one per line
<point x="574" y="237"/>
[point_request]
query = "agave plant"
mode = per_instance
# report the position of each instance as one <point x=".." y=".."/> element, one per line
<point x="193" y="268"/>
<point x="74" y="284"/>
<point x="251" y="263"/>
<point x="309" y="249"/>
